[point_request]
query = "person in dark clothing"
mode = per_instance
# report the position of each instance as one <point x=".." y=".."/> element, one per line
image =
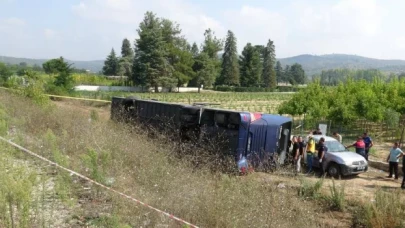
<point x="317" y="132"/>
<point x="301" y="147"/>
<point x="295" y="152"/>
<point x="368" y="144"/>
<point x="322" y="149"/>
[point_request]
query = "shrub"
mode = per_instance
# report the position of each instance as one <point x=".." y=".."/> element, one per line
<point x="388" y="210"/>
<point x="309" y="190"/>
<point x="337" y="197"/>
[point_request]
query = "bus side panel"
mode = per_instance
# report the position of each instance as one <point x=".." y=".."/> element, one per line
<point x="117" y="108"/>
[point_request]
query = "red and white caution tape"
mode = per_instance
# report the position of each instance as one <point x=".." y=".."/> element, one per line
<point x="99" y="184"/>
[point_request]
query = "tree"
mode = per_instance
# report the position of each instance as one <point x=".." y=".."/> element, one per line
<point x="250" y="66"/>
<point x="5" y="73"/>
<point x="287" y="75"/>
<point x="125" y="62"/>
<point x="179" y="55"/>
<point x="230" y="65"/>
<point x="111" y="64"/>
<point x="54" y="66"/>
<point x="205" y="68"/>
<point x="194" y="50"/>
<point x="269" y="60"/>
<point x="126" y="50"/>
<point x="212" y="45"/>
<point x="63" y="71"/>
<point x="279" y="72"/>
<point x="297" y="74"/>
<point x="208" y="59"/>
<point x="125" y="66"/>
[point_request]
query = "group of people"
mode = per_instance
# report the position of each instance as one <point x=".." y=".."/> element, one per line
<point x="362" y="145"/>
<point x="310" y="148"/>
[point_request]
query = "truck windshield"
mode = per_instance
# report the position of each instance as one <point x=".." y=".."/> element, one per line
<point x="335" y="146"/>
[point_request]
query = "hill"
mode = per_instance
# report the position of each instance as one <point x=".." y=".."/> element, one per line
<point x="93" y="65"/>
<point x="314" y="64"/>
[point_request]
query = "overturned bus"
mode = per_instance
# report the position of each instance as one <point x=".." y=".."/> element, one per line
<point x="253" y="139"/>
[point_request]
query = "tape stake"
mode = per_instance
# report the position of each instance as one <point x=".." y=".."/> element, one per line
<point x="97" y="183"/>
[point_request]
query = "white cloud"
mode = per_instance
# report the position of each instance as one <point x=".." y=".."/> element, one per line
<point x="11" y="23"/>
<point x="14" y="21"/>
<point x="256" y="25"/>
<point x="50" y="34"/>
<point x="128" y="14"/>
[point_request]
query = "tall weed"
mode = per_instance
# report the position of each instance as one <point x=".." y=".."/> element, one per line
<point x="337" y="196"/>
<point x="16" y="185"/>
<point x="388" y="210"/>
<point x="307" y="189"/>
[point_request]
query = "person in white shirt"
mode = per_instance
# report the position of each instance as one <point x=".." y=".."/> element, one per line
<point x="393" y="159"/>
<point x="337" y="136"/>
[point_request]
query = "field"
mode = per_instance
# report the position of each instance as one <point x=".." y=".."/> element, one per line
<point x="252" y="102"/>
<point x="82" y="138"/>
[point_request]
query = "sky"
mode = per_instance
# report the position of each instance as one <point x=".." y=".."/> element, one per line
<point x="88" y="29"/>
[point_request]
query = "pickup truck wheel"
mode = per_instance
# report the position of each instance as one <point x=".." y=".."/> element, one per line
<point x="334" y="170"/>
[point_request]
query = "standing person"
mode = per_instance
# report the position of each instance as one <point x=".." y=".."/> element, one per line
<point x="310" y="153"/>
<point x="301" y="152"/>
<point x="295" y="153"/>
<point x="393" y="159"/>
<point x="322" y="149"/>
<point x="369" y="143"/>
<point x="403" y="169"/>
<point x="337" y="136"/>
<point x="360" y="146"/>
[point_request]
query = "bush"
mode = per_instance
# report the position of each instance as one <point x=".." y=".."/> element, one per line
<point x="386" y="211"/>
<point x="308" y="189"/>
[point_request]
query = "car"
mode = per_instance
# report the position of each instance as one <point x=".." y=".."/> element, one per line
<point x="339" y="161"/>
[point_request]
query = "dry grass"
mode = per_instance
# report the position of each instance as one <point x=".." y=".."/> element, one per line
<point x="148" y="170"/>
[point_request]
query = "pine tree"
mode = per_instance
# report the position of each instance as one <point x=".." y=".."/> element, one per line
<point x="279" y="72"/>
<point x="207" y="64"/>
<point x="298" y="74"/>
<point x="126" y="50"/>
<point x="269" y="60"/>
<point x="230" y="65"/>
<point x="111" y="64"/>
<point x="125" y="62"/>
<point x="287" y="75"/>
<point x="149" y="62"/>
<point x="205" y="69"/>
<point x="250" y="66"/>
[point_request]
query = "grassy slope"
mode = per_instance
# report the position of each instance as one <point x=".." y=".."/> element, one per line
<point x="145" y="169"/>
<point x="148" y="170"/>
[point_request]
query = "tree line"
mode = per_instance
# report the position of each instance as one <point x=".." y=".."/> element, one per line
<point x="347" y="102"/>
<point x="163" y="57"/>
<point x="333" y="77"/>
